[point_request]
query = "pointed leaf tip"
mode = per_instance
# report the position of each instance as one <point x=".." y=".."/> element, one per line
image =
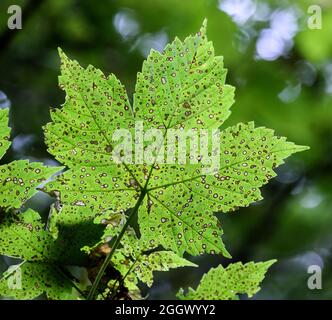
<point x="60" y="51"/>
<point x="203" y="27"/>
<point x="62" y="55"/>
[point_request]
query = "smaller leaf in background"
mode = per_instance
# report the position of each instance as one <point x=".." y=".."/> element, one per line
<point x="46" y="254"/>
<point x="226" y="283"/>
<point x="38" y="272"/>
<point x="33" y="279"/>
<point x="23" y="236"/>
<point x="18" y="179"/>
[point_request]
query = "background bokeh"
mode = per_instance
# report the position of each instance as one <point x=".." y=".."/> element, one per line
<point x="282" y="71"/>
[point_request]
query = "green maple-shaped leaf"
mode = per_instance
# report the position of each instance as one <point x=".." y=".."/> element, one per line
<point x="44" y="255"/>
<point x="24" y="237"/>
<point x="226" y="283"/>
<point x="181" y="88"/>
<point x="18" y="179"/>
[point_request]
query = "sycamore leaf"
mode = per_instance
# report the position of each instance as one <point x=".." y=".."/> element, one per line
<point x="44" y="256"/>
<point x="181" y="88"/>
<point x="181" y="92"/>
<point x="24" y="237"/>
<point x="19" y="179"/>
<point x="226" y="283"/>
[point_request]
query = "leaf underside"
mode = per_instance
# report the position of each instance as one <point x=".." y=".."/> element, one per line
<point x="181" y="88"/>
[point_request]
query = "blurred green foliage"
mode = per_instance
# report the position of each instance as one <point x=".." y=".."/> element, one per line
<point x="290" y="92"/>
